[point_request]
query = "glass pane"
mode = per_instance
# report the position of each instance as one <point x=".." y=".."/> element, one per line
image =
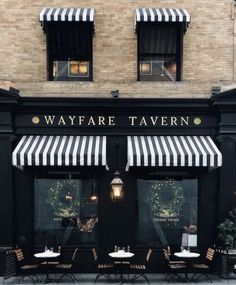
<point x="70" y="70"/>
<point x="64" y="215"/>
<point x="158" y="70"/>
<point x="166" y="209"/>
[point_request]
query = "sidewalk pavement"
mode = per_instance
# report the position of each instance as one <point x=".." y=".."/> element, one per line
<point x="85" y="279"/>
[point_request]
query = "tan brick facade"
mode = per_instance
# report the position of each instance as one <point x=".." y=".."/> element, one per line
<point x="209" y="49"/>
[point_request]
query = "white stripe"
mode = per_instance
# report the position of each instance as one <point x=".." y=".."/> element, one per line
<point x="166" y="151"/>
<point x="52" y="160"/>
<point x="181" y="19"/>
<point x="91" y="15"/>
<point x="49" y="14"/>
<point x="84" y="14"/>
<point x="152" y="15"/>
<point x="160" y="155"/>
<point x="210" y="152"/>
<point x="68" y="151"/>
<point x="145" y="153"/>
<point x="219" y="154"/>
<point x="96" y="158"/>
<point x="204" y="154"/>
<point x="77" y="15"/>
<point x="56" y="14"/>
<point x="145" y="17"/>
<point x="46" y="150"/>
<point x="14" y="154"/>
<point x="70" y="14"/>
<point x="166" y="15"/>
<point x="63" y="15"/>
<point x="137" y="149"/>
<point x="89" y="153"/>
<point x="75" y="151"/>
<point x="138" y="16"/>
<point x="175" y="158"/>
<point x="190" y="157"/>
<point x="197" y="155"/>
<point x="159" y="15"/>
<point x="130" y="154"/>
<point x="188" y="17"/>
<point x="182" y="154"/>
<point x="153" y="160"/>
<point x="22" y="161"/>
<point x="29" y="154"/>
<point x="173" y="15"/>
<point x="104" y="149"/>
<point x="59" y="154"/>
<point x="37" y="162"/>
<point x="42" y="14"/>
<point x="82" y="150"/>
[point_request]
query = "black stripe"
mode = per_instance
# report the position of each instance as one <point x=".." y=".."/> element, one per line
<point x="78" y="162"/>
<point x="134" y="151"/>
<point x="101" y="143"/>
<point x="50" y="150"/>
<point x="73" y="14"/>
<point x="141" y="15"/>
<point x="93" y="151"/>
<point x="88" y="15"/>
<point x="162" y="15"/>
<point x="20" y="150"/>
<point x="148" y="15"/>
<point x="184" y="15"/>
<point x="52" y="14"/>
<point x="63" y="154"/>
<point x="45" y="14"/>
<point x="59" y="14"/>
<point x="170" y="15"/>
<point x="81" y="14"/>
<point x="177" y="15"/>
<point x="67" y="14"/>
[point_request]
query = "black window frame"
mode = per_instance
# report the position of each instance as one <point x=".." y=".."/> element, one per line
<point x="49" y="26"/>
<point x="179" y="48"/>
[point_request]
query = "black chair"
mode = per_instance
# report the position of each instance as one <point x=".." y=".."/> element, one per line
<point x="24" y="269"/>
<point x="8" y="262"/>
<point x="103" y="269"/>
<point x="173" y="261"/>
<point x="66" y="267"/>
<point x="175" y="269"/>
<point x="139" y="270"/>
<point x="204" y="268"/>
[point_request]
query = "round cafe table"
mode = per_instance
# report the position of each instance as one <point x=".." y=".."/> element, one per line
<point x="121" y="256"/>
<point x="187" y="256"/>
<point x="47" y="255"/>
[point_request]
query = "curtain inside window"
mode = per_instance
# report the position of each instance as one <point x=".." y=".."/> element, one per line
<point x="157" y="38"/>
<point x="70" y="41"/>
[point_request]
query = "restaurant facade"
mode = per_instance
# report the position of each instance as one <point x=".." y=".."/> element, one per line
<point x="87" y="164"/>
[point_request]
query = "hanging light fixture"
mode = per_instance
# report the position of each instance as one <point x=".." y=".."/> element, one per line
<point x="117" y="187"/>
<point x="93" y="196"/>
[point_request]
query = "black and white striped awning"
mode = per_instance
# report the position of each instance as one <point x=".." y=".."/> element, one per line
<point x="67" y="15"/>
<point x="183" y="151"/>
<point x="161" y="15"/>
<point x="60" y="151"/>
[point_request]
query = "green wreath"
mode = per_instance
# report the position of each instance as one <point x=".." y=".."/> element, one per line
<point x="166" y="198"/>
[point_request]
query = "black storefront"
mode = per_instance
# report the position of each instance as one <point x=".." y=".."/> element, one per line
<point x="57" y="152"/>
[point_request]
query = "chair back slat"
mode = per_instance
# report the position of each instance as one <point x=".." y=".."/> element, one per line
<point x="19" y="254"/>
<point x="166" y="255"/>
<point x="95" y="254"/>
<point x="148" y="254"/>
<point x="74" y="254"/>
<point x="210" y="254"/>
<point x="10" y="264"/>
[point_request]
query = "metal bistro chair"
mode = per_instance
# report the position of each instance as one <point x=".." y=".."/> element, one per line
<point x="103" y="269"/>
<point x="24" y="269"/>
<point x="66" y="268"/>
<point x="174" y="268"/>
<point x="140" y="270"/>
<point x="204" y="268"/>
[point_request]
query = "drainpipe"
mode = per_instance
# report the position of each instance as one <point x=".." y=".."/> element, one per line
<point x="233" y="12"/>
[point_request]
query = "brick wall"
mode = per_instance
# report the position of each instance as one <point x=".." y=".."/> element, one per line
<point x="209" y="55"/>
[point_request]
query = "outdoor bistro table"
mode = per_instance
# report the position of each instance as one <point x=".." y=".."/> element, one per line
<point x="187" y="256"/>
<point x="121" y="256"/>
<point x="47" y="255"/>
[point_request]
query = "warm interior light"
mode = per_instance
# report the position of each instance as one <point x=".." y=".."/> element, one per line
<point x="68" y="197"/>
<point x="93" y="198"/>
<point x="117" y="185"/>
<point x="78" y="68"/>
<point x="83" y="67"/>
<point x="145" y="67"/>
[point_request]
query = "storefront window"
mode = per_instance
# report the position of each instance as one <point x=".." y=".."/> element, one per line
<point x="64" y="212"/>
<point x="167" y="208"/>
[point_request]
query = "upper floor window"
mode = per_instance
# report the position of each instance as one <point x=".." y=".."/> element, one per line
<point x="160" y="43"/>
<point x="69" y="34"/>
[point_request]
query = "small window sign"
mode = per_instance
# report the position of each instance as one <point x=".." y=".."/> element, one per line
<point x="78" y="68"/>
<point x="146" y="67"/>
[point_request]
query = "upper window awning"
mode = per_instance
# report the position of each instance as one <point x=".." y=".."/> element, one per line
<point x="161" y="15"/>
<point x="67" y="15"/>
<point x="166" y="151"/>
<point x="60" y="151"/>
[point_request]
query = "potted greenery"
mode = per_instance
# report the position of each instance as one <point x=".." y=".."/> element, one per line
<point x="227" y="231"/>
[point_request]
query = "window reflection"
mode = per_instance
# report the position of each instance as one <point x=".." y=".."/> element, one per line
<point x="166" y="209"/>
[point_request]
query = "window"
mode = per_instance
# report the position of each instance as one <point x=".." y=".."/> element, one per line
<point x="69" y="51"/>
<point x="160" y="51"/>
<point x="64" y="213"/>
<point x="167" y="208"/>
